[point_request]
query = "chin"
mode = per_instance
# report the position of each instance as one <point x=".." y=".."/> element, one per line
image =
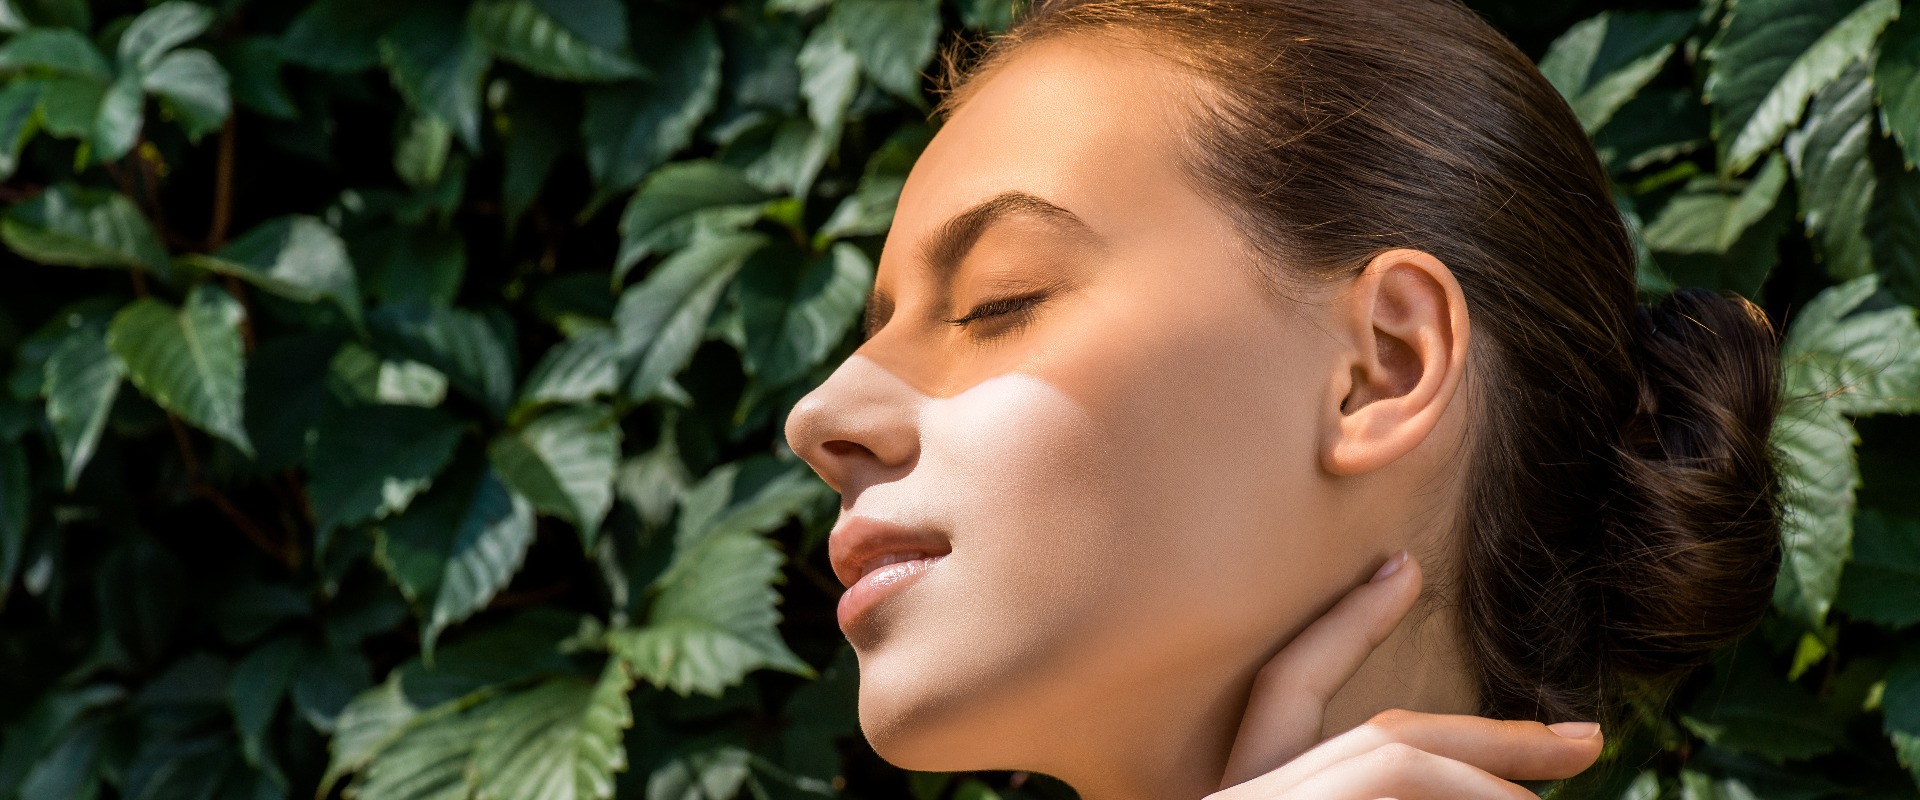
<point x="920" y="719"/>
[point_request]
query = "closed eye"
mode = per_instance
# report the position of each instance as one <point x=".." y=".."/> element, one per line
<point x="1000" y="307"/>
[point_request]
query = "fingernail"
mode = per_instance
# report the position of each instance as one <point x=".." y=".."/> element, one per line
<point x="1575" y="730"/>
<point x="1393" y="565"/>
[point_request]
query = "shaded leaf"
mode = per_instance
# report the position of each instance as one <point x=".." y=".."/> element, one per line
<point x="371" y="461"/>
<point x="1893" y="227"/>
<point x="1829" y="157"/>
<point x="523" y="32"/>
<point x="455" y="547"/>
<point x="1896" y="72"/>
<point x="1752" y="710"/>
<point x="82" y="380"/>
<point x="192" y="86"/>
<point x="891" y="39"/>
<point x="16" y="500"/>
<point x="1885" y="567"/>
<point x="297" y="257"/>
<point x="188" y="360"/>
<point x="564" y="462"/>
<point x="869" y="210"/>
<point x="630" y="129"/>
<point x="83" y="227"/>
<point x="584" y="367"/>
<point x="436" y="63"/>
<point x="258" y="684"/>
<point x="454" y="341"/>
<point x="56" y="51"/>
<point x="682" y="201"/>
<point x="795" y="317"/>
<point x="1772" y="57"/>
<point x="160" y="29"/>
<point x="662" y="319"/>
<point x="1601" y="63"/>
<point x="1706" y="236"/>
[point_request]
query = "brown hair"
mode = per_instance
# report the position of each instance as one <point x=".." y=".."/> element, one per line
<point x="1621" y="520"/>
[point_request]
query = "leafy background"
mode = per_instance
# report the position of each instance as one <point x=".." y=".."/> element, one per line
<point x="394" y="389"/>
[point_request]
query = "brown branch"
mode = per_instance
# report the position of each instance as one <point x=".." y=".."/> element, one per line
<point x="222" y="190"/>
<point x="186" y="447"/>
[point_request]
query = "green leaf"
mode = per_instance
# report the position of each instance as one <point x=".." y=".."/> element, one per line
<point x="1829" y="157"/>
<point x="752" y="496"/>
<point x="160" y="29"/>
<point x="584" y="367"/>
<point x="255" y="690"/>
<point x="1840" y="358"/>
<point x="81" y="227"/>
<point x="829" y="76"/>
<point x="713" y="619"/>
<point x="188" y="360"/>
<point x="560" y="740"/>
<point x="1772" y="57"/>
<point x="540" y="127"/>
<point x="564" y="462"/>
<point x="56" y="51"/>
<point x="1897" y="73"/>
<point x="429" y="760"/>
<point x="1893" y="227"/>
<point x="18" y="103"/>
<point x="1603" y="62"/>
<point x="1902" y="704"/>
<point x="1753" y="710"/>
<point x="193" y="87"/>
<point x="662" y="319"/>
<point x="436" y="63"/>
<point x="1656" y="126"/>
<point x="297" y="257"/>
<point x="630" y="129"/>
<point x="70" y="106"/>
<point x="701" y="772"/>
<point x="117" y="122"/>
<point x="82" y="380"/>
<point x="1880" y="578"/>
<point x="254" y="63"/>
<point x="371" y="461"/>
<point x="339" y="35"/>
<point x="869" y="210"/>
<point x="1706" y="236"/>
<point x="455" y="547"/>
<point x="15" y="502"/>
<point x="455" y="341"/>
<point x="891" y="39"/>
<point x="523" y="32"/>
<point x="683" y="201"/>
<point x="794" y="318"/>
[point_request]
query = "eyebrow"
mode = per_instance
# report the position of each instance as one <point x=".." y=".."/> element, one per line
<point x="949" y="244"/>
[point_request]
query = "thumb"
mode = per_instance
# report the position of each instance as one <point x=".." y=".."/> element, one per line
<point x="1290" y="694"/>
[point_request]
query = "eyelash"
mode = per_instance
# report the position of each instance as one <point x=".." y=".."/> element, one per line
<point x="1020" y="304"/>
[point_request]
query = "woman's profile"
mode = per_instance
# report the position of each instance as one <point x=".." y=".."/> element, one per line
<point x="1239" y="372"/>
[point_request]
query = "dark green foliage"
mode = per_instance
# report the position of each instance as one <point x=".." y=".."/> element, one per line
<point x="394" y="390"/>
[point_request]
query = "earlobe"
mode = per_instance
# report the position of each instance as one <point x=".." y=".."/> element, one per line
<point x="1405" y="321"/>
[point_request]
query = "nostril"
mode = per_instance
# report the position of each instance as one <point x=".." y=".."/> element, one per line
<point x="840" y="448"/>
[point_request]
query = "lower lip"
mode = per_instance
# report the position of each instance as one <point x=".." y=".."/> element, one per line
<point x="879" y="585"/>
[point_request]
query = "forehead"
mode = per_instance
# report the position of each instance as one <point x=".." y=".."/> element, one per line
<point x="1086" y="123"/>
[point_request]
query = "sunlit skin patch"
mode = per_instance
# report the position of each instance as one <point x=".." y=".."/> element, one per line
<point x="1121" y="453"/>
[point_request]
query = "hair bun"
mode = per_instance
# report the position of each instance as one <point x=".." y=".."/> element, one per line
<point x="1694" y="542"/>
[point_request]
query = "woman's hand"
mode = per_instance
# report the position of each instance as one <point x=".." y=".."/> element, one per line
<point x="1401" y="754"/>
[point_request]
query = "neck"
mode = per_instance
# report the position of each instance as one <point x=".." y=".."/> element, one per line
<point x="1176" y="747"/>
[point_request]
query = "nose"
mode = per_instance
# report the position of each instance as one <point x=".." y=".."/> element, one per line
<point x="859" y="428"/>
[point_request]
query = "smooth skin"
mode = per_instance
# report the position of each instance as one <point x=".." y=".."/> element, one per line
<point x="1159" y="477"/>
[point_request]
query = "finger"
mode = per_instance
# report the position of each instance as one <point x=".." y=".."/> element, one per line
<point x="1520" y="750"/>
<point x="1407" y="773"/>
<point x="1290" y="694"/>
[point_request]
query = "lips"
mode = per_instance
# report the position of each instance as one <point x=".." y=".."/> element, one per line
<point x="874" y="559"/>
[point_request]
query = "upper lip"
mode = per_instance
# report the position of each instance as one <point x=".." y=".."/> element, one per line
<point x="861" y="541"/>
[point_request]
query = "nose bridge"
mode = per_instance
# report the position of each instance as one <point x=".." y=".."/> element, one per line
<point x="861" y="423"/>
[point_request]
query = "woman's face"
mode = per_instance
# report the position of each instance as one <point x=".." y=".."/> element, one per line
<point x="1121" y="470"/>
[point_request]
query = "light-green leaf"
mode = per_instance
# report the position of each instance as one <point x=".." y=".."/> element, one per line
<point x="682" y="201"/>
<point x="193" y="87"/>
<point x="455" y="547"/>
<point x="869" y="210"/>
<point x="584" y="367"/>
<point x="1842" y="357"/>
<point x="160" y="29"/>
<point x="188" y="360"/>
<point x="564" y="462"/>
<point x="81" y="227"/>
<point x="297" y="257"/>
<point x="630" y="129"/>
<point x="371" y="461"/>
<point x="1772" y="57"/>
<point x="713" y="619"/>
<point x="560" y="740"/>
<point x="1836" y="180"/>
<point x="794" y="317"/>
<point x="1601" y="63"/>
<point x="82" y="380"/>
<point x="57" y="51"/>
<point x="662" y="319"/>
<point x="1707" y="236"/>
<point x="523" y="32"/>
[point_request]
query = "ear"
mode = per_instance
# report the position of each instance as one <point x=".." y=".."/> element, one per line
<point x="1404" y="324"/>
